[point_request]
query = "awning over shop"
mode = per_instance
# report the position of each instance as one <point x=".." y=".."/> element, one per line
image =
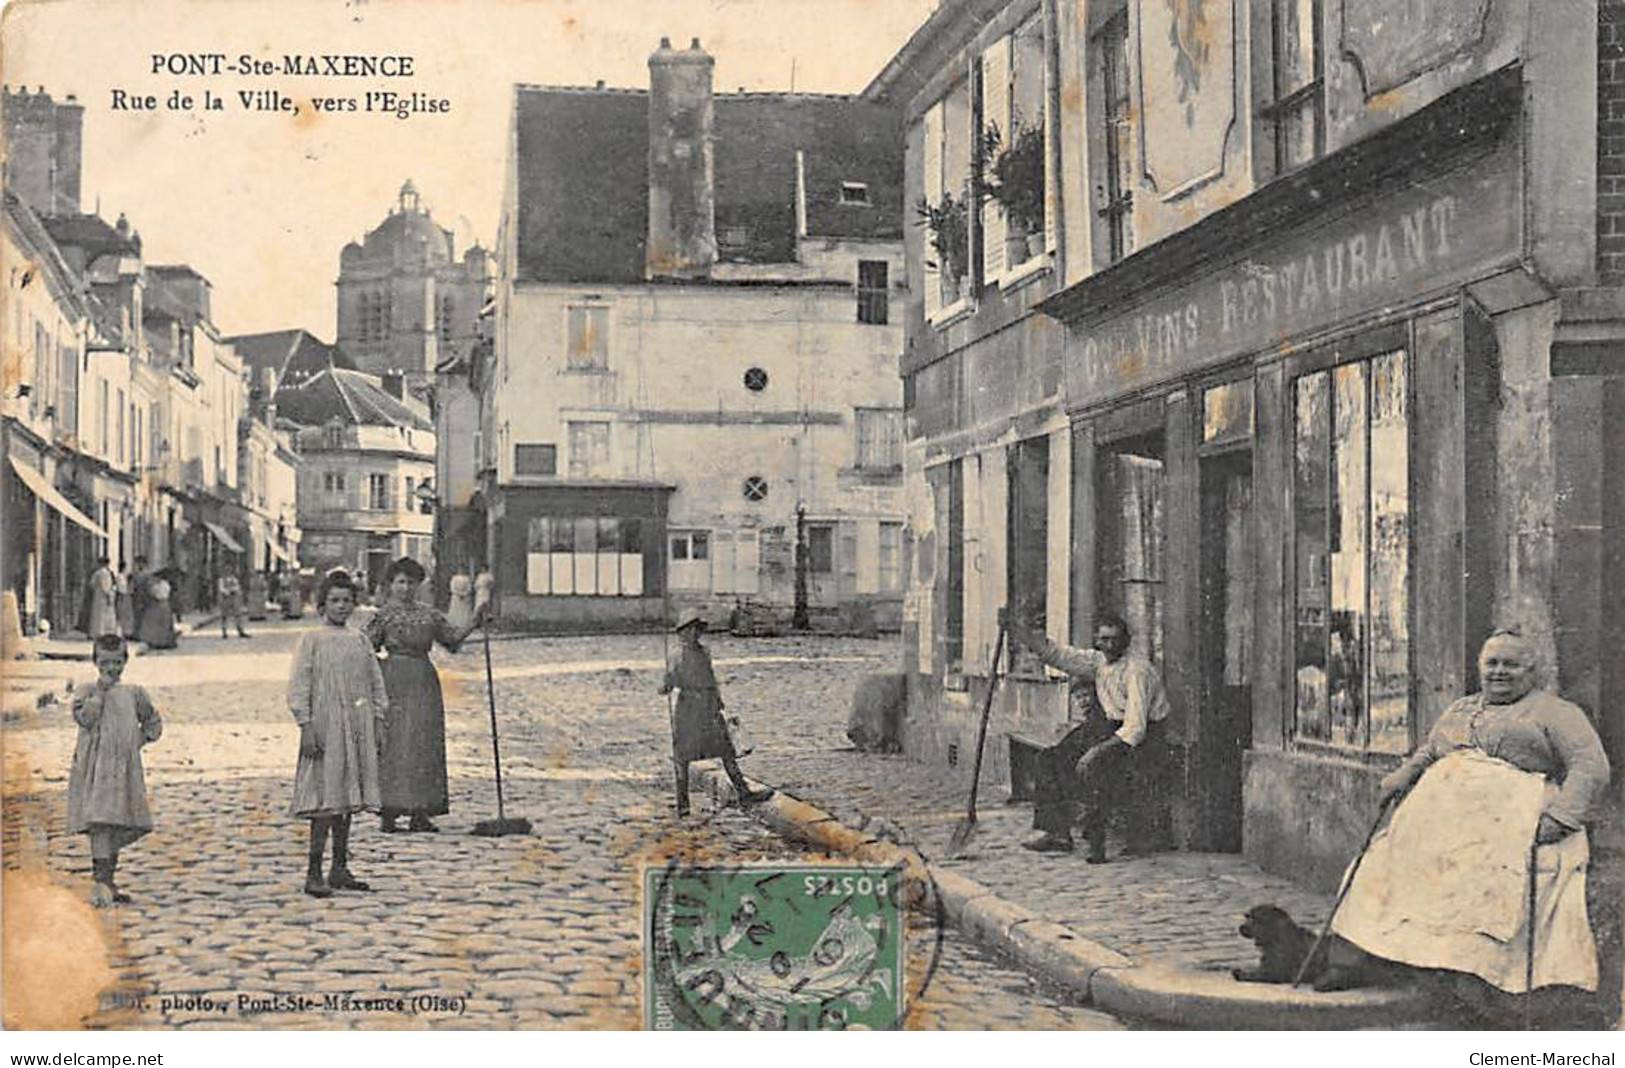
<point x="52" y="496"/>
<point x="222" y="537"/>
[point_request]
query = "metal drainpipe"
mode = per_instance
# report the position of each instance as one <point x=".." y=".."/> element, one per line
<point x="799" y="620"/>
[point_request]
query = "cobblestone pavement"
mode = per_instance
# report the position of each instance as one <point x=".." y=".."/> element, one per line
<point x="534" y="931"/>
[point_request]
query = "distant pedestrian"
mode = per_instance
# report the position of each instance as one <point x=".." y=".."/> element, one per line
<point x="412" y="764"/>
<point x="107" y="790"/>
<point x="698" y="730"/>
<point x="124" y="605"/>
<point x="99" y="610"/>
<point x="140" y="592"/>
<point x="336" y="694"/>
<point x="157" y="628"/>
<point x="230" y="592"/>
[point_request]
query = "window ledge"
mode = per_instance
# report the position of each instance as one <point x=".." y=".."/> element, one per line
<point x="1025" y="273"/>
<point x="942" y="318"/>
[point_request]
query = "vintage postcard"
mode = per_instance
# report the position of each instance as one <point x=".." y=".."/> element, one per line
<point x="812" y="514"/>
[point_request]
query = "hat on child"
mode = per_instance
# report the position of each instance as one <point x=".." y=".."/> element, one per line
<point x="688" y="617"/>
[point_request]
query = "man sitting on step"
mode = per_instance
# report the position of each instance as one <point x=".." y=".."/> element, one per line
<point x="1089" y="763"/>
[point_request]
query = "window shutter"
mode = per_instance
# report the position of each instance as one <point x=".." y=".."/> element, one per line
<point x="995" y="111"/>
<point x="747" y="561"/>
<point x="1052" y="174"/>
<point x="931" y="178"/>
<point x="722" y="562"/>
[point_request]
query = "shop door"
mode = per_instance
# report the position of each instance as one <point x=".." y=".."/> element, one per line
<point x="1227" y="638"/>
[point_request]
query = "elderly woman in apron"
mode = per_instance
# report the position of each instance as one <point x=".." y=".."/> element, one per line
<point x="1506" y="774"/>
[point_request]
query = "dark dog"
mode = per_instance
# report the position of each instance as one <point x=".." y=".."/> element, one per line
<point x="1283" y="943"/>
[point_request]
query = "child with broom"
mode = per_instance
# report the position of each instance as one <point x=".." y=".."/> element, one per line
<point x="698" y="730"/>
<point x="107" y="792"/>
<point x="336" y="694"/>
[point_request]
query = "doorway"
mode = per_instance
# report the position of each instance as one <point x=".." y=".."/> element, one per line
<point x="1226" y="639"/>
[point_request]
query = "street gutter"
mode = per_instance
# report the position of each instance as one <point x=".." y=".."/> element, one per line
<point x="1088" y="970"/>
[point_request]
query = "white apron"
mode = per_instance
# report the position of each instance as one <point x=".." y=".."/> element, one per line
<point x="1446" y="883"/>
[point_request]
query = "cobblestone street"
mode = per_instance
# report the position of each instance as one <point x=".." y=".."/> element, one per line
<point x="537" y="931"/>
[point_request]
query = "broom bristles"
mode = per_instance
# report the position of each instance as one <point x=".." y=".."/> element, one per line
<point x="499" y="827"/>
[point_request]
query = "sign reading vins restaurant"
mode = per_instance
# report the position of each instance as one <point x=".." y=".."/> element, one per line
<point x="1448" y="230"/>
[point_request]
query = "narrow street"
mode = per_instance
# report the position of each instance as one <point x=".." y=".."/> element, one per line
<point x="537" y="931"/>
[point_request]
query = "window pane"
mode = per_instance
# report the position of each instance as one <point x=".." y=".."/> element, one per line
<point x="1294" y="44"/>
<point x="820" y="550"/>
<point x="586" y="535"/>
<point x="1345" y="664"/>
<point x="1390" y="553"/>
<point x="564" y="536"/>
<point x="1312" y="433"/>
<point x="679" y="547"/>
<point x="609" y="534"/>
<point x="1227" y="412"/>
<point x="540" y="537"/>
<point x="701" y="543"/>
<point x="632" y="536"/>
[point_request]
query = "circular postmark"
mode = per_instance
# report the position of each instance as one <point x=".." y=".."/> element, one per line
<point x="781" y="945"/>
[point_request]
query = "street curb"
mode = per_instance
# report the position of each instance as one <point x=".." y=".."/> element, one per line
<point x="1089" y="970"/>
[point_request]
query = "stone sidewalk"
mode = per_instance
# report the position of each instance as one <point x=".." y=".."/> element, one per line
<point x="1180" y="909"/>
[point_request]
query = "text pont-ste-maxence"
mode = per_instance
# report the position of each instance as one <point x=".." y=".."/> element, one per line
<point x="319" y="65"/>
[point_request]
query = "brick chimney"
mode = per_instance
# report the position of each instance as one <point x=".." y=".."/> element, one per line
<point x="682" y="176"/>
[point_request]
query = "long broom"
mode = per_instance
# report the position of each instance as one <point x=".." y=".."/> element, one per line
<point x="503" y="824"/>
<point x="967" y="826"/>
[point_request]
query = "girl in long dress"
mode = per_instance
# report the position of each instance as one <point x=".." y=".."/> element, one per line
<point x="412" y="766"/>
<point x="698" y="729"/>
<point x="336" y="694"/>
<point x="107" y="791"/>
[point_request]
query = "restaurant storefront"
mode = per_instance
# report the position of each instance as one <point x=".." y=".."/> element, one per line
<point x="1284" y="464"/>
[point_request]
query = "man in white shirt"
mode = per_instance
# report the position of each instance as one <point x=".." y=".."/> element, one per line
<point x="1130" y="694"/>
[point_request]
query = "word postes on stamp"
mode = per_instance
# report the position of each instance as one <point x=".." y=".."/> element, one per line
<point x="801" y="946"/>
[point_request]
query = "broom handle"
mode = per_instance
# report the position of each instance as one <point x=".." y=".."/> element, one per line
<point x="491" y="699"/>
<point x="1325" y="932"/>
<point x="987" y="709"/>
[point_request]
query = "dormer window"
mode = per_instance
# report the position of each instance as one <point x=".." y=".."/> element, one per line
<point x="855" y="193"/>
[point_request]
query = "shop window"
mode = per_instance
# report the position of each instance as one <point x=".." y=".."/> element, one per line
<point x="1131" y="535"/>
<point x="1028" y="538"/>
<point x="584" y="556"/>
<point x="873" y="295"/>
<point x="1227" y="413"/>
<point x="589" y="449"/>
<point x="820" y="549"/>
<point x="536" y="460"/>
<point x="1115" y="183"/>
<point x="891" y="551"/>
<point x="1298" y="109"/>
<point x="1351" y="529"/>
<point x="588" y="342"/>
<point x="880" y="438"/>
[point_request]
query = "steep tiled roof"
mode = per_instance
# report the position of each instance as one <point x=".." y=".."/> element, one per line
<point x="583" y="186"/>
<point x="295" y="355"/>
<point x="351" y="397"/>
<point x="90" y="233"/>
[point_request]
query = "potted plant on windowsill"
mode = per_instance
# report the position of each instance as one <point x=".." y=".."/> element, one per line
<point x="949" y="224"/>
<point x="1016" y="180"/>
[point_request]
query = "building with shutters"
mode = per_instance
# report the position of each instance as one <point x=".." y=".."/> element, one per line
<point x="1315" y="376"/>
<point x="692" y="392"/>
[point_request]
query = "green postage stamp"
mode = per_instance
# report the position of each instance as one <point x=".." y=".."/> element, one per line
<point x="773" y="947"/>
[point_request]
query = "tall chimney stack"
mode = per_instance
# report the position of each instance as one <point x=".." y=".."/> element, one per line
<point x="682" y="176"/>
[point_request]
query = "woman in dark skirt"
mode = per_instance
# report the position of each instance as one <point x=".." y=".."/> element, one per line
<point x="412" y="765"/>
<point x="699" y="732"/>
